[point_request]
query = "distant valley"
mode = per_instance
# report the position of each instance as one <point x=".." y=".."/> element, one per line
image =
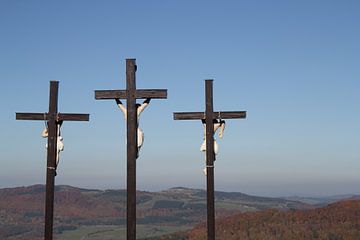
<point x="92" y="214"/>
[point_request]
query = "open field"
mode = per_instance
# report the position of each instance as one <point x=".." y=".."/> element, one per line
<point x="102" y="232"/>
<point x="88" y="213"/>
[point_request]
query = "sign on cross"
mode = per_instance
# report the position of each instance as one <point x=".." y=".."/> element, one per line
<point x="53" y="119"/>
<point x="131" y="94"/>
<point x="209" y="116"/>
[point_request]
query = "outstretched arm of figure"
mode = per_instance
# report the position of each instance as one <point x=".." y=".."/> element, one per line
<point x="121" y="106"/>
<point x="45" y="133"/>
<point x="204" y="125"/>
<point x="222" y="128"/>
<point x="143" y="106"/>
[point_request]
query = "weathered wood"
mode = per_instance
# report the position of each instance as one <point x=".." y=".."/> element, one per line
<point x="110" y="94"/>
<point x="60" y="116"/>
<point x="73" y="117"/>
<point x="32" y="116"/>
<point x="132" y="150"/>
<point x="51" y="159"/>
<point x="151" y="93"/>
<point x="210" y="157"/>
<point x="139" y="94"/>
<point x="216" y="115"/>
<point x="209" y="116"/>
<point x="131" y="94"/>
<point x="52" y="118"/>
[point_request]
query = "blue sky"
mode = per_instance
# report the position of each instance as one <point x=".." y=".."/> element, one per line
<point x="293" y="65"/>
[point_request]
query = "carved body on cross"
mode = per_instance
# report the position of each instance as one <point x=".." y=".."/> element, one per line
<point x="59" y="142"/>
<point x="54" y="145"/>
<point x="139" y="109"/>
<point x="212" y="122"/>
<point x="135" y="135"/>
<point x="218" y="124"/>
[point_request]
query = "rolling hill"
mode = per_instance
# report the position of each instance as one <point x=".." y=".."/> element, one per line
<point x="337" y="221"/>
<point x="22" y="209"/>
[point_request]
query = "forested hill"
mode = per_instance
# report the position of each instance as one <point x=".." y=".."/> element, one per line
<point x="22" y="208"/>
<point x="337" y="221"/>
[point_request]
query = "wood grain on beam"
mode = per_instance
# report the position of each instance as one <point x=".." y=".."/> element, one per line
<point x="201" y="115"/>
<point x="45" y="116"/>
<point x="73" y="117"/>
<point x="31" y="116"/>
<point x="140" y="93"/>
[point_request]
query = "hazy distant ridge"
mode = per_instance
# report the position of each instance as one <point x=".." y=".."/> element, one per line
<point x="22" y="208"/>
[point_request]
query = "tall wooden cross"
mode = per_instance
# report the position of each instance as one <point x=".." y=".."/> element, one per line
<point x="131" y="94"/>
<point x="53" y="118"/>
<point x="209" y="117"/>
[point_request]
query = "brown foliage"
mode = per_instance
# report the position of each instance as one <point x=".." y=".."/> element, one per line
<point x="337" y="221"/>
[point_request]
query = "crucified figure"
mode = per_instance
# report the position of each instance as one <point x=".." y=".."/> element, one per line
<point x="217" y="124"/>
<point x="139" y="108"/>
<point x="59" y="143"/>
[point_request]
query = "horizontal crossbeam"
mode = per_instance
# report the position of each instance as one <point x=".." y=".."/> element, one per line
<point x="140" y="93"/>
<point x="216" y="115"/>
<point x="73" y="117"/>
<point x="60" y="116"/>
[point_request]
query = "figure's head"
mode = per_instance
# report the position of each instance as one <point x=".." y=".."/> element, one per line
<point x="138" y="105"/>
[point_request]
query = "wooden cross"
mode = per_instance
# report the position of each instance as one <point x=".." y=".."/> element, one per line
<point x="209" y="117"/>
<point x="53" y="118"/>
<point x="131" y="94"/>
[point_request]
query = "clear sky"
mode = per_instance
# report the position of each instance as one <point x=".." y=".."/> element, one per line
<point x="292" y="65"/>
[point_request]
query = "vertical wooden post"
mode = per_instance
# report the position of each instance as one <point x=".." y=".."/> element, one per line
<point x="131" y="94"/>
<point x="51" y="159"/>
<point x="53" y="118"/>
<point x="132" y="150"/>
<point x="210" y="157"/>
<point x="210" y="116"/>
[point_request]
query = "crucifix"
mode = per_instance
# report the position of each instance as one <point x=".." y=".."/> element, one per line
<point x="53" y="119"/>
<point x="131" y="113"/>
<point x="212" y="120"/>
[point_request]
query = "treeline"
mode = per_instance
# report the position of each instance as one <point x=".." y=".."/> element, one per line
<point x="20" y="232"/>
<point x="338" y="221"/>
